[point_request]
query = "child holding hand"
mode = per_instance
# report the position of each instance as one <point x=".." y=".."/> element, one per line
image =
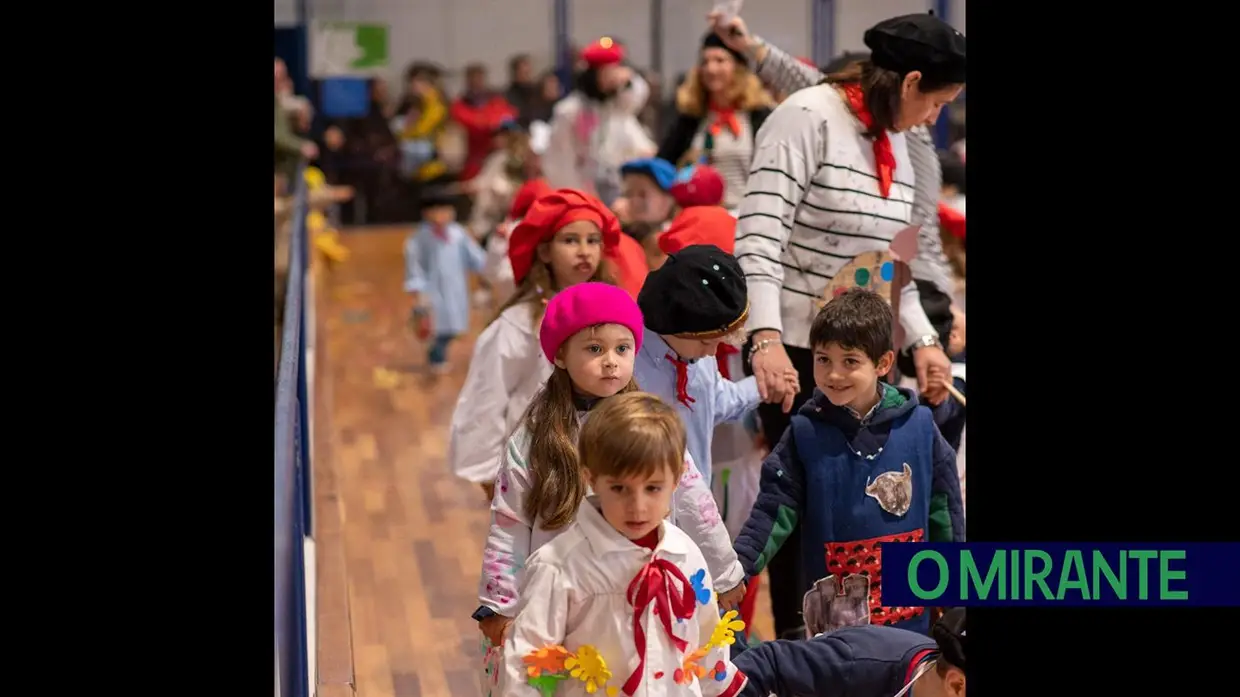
<point x="591" y="334"/>
<point x="622" y="589"/>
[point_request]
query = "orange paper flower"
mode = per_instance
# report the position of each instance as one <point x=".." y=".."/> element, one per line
<point x="692" y="667"/>
<point x="548" y="659"/>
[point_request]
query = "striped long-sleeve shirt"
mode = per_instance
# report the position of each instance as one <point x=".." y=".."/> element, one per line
<point x="812" y="204"/>
<point x="782" y="72"/>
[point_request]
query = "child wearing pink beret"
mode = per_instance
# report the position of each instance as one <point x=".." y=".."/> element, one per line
<point x="564" y="238"/>
<point x="590" y="333"/>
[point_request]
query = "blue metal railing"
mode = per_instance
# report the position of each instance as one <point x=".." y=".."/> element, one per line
<point x="292" y="470"/>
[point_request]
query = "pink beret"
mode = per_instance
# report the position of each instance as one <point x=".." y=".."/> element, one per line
<point x="585" y="305"/>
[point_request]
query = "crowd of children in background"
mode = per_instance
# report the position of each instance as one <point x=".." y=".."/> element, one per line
<point x="606" y="417"/>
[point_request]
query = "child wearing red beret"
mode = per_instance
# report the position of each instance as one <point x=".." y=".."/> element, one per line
<point x="563" y="239"/>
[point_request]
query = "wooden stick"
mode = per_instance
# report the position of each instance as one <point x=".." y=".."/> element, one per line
<point x="955" y="393"/>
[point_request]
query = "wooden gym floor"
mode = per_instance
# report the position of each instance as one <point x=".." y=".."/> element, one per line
<point x="399" y="539"/>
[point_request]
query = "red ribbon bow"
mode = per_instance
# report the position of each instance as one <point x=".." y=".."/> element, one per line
<point x="884" y="157"/>
<point x="682" y="380"/>
<point x="656" y="583"/>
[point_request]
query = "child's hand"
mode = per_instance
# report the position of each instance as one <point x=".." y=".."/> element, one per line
<point x="494" y="627"/>
<point x="420" y="322"/>
<point x="732" y="599"/>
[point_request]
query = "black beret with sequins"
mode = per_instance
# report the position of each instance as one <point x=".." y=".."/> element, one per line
<point x="698" y="290"/>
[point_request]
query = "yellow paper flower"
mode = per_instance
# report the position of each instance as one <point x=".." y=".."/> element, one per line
<point x="725" y="631"/>
<point x="548" y="659"/>
<point x="588" y="666"/>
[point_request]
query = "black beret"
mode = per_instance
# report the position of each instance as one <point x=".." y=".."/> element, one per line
<point x="438" y="195"/>
<point x="949" y="633"/>
<point x="698" y="290"/>
<point x="712" y="40"/>
<point x="920" y="42"/>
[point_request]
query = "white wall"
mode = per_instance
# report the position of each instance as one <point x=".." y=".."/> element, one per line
<point x="449" y="32"/>
<point x="957" y="16"/>
<point x="455" y="32"/>
<point x="853" y="17"/>
<point x="784" y="23"/>
<point x="286" y="13"/>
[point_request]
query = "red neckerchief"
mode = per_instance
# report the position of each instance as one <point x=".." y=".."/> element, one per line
<point x="650" y="541"/>
<point x="724" y="118"/>
<point x="654" y="584"/>
<point x="884" y="158"/>
<point x="682" y="380"/>
<point x="441" y="231"/>
<point x="721" y="357"/>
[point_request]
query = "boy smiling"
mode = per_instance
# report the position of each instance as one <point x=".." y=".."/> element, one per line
<point x="861" y="464"/>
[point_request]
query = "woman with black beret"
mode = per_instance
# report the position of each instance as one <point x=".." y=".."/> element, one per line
<point x="833" y="177"/>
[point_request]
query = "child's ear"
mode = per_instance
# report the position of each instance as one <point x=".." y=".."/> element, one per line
<point x="884" y="363"/>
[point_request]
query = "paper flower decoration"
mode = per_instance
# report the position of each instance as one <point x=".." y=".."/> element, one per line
<point x="691" y="668"/>
<point x="588" y="666"/>
<point x="547" y="660"/>
<point x="546" y="684"/>
<point x="725" y="632"/>
<point x="698" y="581"/>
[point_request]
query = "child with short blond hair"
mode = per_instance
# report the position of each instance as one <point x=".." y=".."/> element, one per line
<point x="621" y="588"/>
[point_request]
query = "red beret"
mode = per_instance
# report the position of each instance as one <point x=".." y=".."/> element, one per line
<point x="605" y="51"/>
<point x="529" y="192"/>
<point x="951" y="220"/>
<point x="547" y="215"/>
<point x="698" y="185"/>
<point x="700" y="225"/>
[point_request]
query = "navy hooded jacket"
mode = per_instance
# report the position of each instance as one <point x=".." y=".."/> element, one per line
<point x="823" y="475"/>
<point x="869" y="661"/>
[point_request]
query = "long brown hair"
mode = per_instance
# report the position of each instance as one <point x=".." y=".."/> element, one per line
<point x="539" y="286"/>
<point x="881" y="88"/>
<point x="556" y="484"/>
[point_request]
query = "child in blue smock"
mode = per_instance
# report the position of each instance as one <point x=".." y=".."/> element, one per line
<point x="861" y="464"/>
<point x="696" y="300"/>
<point x="438" y="258"/>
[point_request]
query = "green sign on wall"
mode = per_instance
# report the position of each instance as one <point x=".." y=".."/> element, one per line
<point x="340" y="49"/>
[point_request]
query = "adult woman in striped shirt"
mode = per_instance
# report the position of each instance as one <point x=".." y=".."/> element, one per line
<point x="832" y="178"/>
<point x="931" y="269"/>
<point x="720" y="107"/>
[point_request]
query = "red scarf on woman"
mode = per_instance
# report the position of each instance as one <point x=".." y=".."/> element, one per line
<point x="884" y="158"/>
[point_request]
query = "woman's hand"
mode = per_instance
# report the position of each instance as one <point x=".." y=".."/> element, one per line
<point x="735" y="34"/>
<point x="927" y="360"/>
<point x="778" y="382"/>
